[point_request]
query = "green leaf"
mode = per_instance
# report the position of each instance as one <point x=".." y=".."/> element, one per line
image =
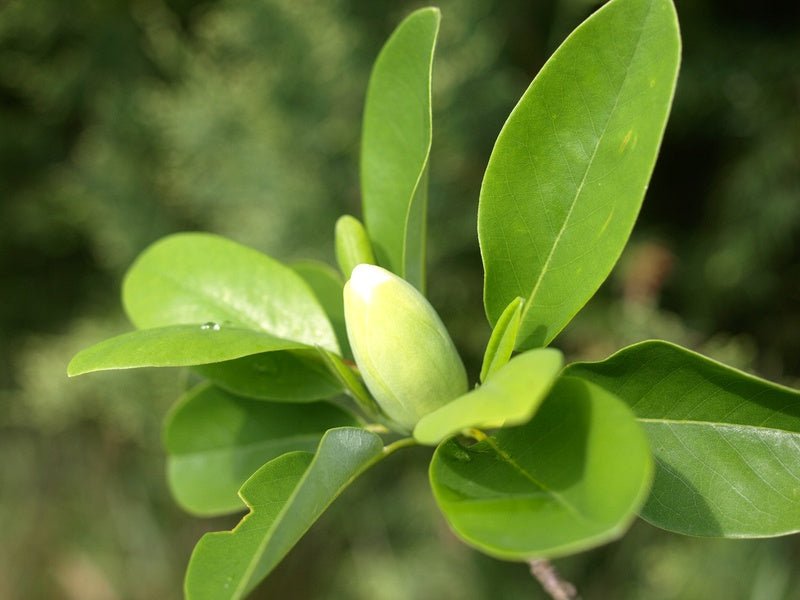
<point x="569" y="170"/>
<point x="327" y="285"/>
<point x="292" y="376"/>
<point x="396" y="144"/>
<point x="216" y="440"/>
<point x="503" y="339"/>
<point x="726" y="444"/>
<point x="198" y="278"/>
<point x="286" y="496"/>
<point x="176" y="346"/>
<point x="353" y="247"/>
<point x="569" y="480"/>
<point x="510" y="397"/>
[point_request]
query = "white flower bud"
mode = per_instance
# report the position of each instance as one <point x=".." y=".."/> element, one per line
<point x="401" y="347"/>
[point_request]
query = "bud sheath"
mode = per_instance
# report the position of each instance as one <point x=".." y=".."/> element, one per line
<point x="352" y="245"/>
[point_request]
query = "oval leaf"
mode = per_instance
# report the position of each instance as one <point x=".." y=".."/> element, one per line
<point x="569" y="170"/>
<point x="396" y="143"/>
<point x="726" y="444"/>
<point x="198" y="278"/>
<point x="510" y="397"/>
<point x="569" y="480"/>
<point x="216" y="440"/>
<point x="286" y="496"/>
<point x="176" y="346"/>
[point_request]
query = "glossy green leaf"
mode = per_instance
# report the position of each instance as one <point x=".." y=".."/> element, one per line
<point x="503" y="339"/>
<point x="176" y="346"/>
<point x="198" y="278"/>
<point x="570" y="479"/>
<point x="726" y="444"/>
<point x="291" y="376"/>
<point x="510" y="397"/>
<point x="396" y="143"/>
<point x="569" y="170"/>
<point x="327" y="285"/>
<point x="216" y="440"/>
<point x="286" y="496"/>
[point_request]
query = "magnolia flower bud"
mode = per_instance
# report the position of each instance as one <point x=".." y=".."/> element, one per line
<point x="401" y="347"/>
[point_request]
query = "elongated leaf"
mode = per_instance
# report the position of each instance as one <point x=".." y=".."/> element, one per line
<point x="727" y="444"/>
<point x="176" y="346"/>
<point x="569" y="480"/>
<point x="510" y="397"/>
<point x="286" y="496"/>
<point x="503" y="339"/>
<point x="216" y="440"/>
<point x="327" y="286"/>
<point x="291" y="376"/>
<point x="396" y="143"/>
<point x="197" y="278"/>
<point x="569" y="170"/>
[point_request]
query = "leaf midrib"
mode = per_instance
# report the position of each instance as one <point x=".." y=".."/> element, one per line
<point x="244" y="316"/>
<point x="713" y="424"/>
<point x="528" y="476"/>
<point x="590" y="163"/>
<point x="250" y="446"/>
<point x="264" y="545"/>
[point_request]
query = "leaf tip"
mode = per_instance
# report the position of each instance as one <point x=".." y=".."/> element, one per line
<point x="74" y="367"/>
<point x="433" y="11"/>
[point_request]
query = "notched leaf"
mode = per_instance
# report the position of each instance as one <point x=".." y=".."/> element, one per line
<point x="286" y="496"/>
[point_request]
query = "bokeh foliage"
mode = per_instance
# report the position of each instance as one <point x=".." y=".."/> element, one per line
<point x="122" y="121"/>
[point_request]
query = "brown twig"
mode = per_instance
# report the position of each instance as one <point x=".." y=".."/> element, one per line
<point x="551" y="581"/>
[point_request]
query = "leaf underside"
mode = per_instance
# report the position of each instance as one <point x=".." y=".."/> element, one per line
<point x="726" y="444"/>
<point x="291" y="376"/>
<point x="216" y="440"/>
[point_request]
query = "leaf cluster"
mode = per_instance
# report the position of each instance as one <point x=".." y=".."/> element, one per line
<point x="539" y="460"/>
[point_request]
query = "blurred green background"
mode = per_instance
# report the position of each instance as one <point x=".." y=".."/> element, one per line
<point x="122" y="121"/>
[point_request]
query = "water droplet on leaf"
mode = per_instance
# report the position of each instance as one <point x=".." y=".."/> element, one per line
<point x="210" y="326"/>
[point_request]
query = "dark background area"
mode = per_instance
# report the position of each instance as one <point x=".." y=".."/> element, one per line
<point x="122" y="121"/>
